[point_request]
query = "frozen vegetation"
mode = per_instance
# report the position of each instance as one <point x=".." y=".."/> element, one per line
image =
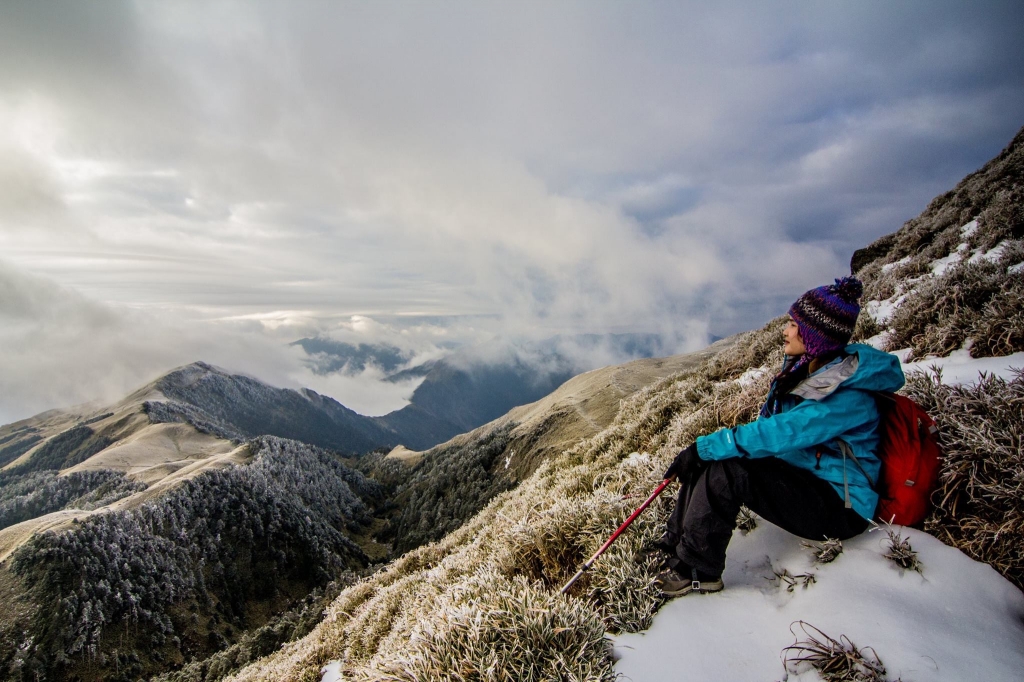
<point x="65" y="450"/>
<point x="442" y="491"/>
<point x="233" y="404"/>
<point x="172" y="411"/>
<point x="129" y="592"/>
<point x="27" y="496"/>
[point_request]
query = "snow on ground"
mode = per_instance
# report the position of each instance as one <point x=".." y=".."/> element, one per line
<point x="751" y="376"/>
<point x="992" y="255"/>
<point x="332" y="672"/>
<point x="892" y="266"/>
<point x="960" y="368"/>
<point x="940" y="266"/>
<point x="968" y="230"/>
<point x="957" y="620"/>
<point x="881" y="311"/>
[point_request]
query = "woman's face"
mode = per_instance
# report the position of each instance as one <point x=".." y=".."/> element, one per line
<point x="792" y="344"/>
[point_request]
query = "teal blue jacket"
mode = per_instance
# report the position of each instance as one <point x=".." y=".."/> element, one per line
<point x="834" y="403"/>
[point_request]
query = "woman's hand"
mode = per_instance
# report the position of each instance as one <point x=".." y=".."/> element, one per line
<point x="686" y="461"/>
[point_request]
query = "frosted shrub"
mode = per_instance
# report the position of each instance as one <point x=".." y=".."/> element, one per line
<point x="448" y="486"/>
<point x="940" y="314"/>
<point x="28" y="496"/>
<point x="173" y="411"/>
<point x="825" y="552"/>
<point x="746" y="520"/>
<point x="980" y="500"/>
<point x="621" y="584"/>
<point x="550" y="545"/>
<point x="900" y="552"/>
<point x="490" y="627"/>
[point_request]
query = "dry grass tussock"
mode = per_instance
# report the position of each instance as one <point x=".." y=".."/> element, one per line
<point x="900" y="552"/>
<point x="483" y="603"/>
<point x="836" y="660"/>
<point x="825" y="552"/>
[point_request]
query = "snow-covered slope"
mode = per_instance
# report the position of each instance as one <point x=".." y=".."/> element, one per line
<point x="955" y="620"/>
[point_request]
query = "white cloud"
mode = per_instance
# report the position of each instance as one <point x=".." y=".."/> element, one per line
<point x="367" y="390"/>
<point x="268" y="169"/>
<point x="62" y="348"/>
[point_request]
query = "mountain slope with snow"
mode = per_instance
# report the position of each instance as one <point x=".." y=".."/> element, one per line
<point x="483" y="602"/>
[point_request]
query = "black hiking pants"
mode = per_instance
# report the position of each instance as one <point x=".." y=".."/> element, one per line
<point x="792" y="498"/>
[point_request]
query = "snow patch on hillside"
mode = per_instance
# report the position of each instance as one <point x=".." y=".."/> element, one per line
<point x="751" y="376"/>
<point x="968" y="230"/>
<point x="960" y="368"/>
<point x="940" y="266"/>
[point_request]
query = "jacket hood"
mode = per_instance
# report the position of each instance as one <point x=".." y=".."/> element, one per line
<point x="865" y="368"/>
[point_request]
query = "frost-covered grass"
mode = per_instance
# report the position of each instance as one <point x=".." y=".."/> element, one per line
<point x="980" y="501"/>
<point x="954" y="273"/>
<point x="899" y="550"/>
<point x="825" y="552"/>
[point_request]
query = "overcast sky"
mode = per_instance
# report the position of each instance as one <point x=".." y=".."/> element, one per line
<point x="212" y="180"/>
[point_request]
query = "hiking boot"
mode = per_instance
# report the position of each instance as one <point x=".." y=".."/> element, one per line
<point x="682" y="580"/>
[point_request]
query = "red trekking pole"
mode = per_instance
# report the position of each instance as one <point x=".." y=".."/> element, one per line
<point x="624" y="526"/>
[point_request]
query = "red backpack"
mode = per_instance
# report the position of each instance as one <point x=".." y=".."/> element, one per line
<point x="910" y="455"/>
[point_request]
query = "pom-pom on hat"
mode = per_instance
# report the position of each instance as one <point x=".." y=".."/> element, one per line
<point x="827" y="315"/>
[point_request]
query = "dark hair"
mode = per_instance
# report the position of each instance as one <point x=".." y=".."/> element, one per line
<point x="794" y="370"/>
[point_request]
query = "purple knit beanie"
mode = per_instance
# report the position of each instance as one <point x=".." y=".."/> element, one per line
<point x="827" y="315"/>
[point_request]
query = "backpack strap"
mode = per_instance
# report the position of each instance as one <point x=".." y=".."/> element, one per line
<point x="847" y="451"/>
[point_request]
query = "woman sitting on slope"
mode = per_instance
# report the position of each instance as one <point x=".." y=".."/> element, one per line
<point x="793" y="466"/>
